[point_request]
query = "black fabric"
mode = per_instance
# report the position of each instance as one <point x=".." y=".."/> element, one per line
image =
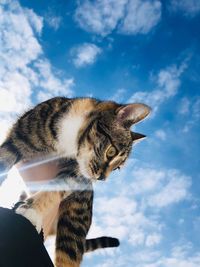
<point x="20" y="244"/>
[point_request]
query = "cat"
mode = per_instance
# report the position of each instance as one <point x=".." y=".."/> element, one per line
<point x="94" y="133"/>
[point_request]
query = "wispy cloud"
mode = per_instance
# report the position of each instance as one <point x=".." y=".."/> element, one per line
<point x="161" y="188"/>
<point x="51" y="83"/>
<point x="189" y="8"/>
<point x="167" y="82"/>
<point x="53" y="21"/>
<point x="160" y="134"/>
<point x="85" y="54"/>
<point x="179" y="256"/>
<point x="184" y="106"/>
<point x="153" y="239"/>
<point x="133" y="211"/>
<point x="100" y="17"/>
<point x="127" y="17"/>
<point x="52" y="18"/>
<point x="141" y="17"/>
<point x="175" y="189"/>
<point x="191" y="109"/>
<point x="119" y="95"/>
<point x="20" y="45"/>
<point x="119" y="216"/>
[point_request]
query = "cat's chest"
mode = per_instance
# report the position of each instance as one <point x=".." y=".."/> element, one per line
<point x="68" y="129"/>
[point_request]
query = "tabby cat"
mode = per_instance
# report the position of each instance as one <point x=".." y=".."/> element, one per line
<point x="94" y="133"/>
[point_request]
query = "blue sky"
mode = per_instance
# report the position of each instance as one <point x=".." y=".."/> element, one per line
<point x="127" y="51"/>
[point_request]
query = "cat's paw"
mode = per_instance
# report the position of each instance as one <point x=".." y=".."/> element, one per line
<point x="32" y="215"/>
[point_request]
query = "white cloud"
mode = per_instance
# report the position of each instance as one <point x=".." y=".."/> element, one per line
<point x="119" y="95"/>
<point x="196" y="108"/>
<point x="152" y="258"/>
<point x="160" y="188"/>
<point x="115" y="205"/>
<point x="18" y="41"/>
<point x="53" y="21"/>
<point x="189" y="8"/>
<point x="137" y="237"/>
<point x="131" y="209"/>
<point x="52" y="84"/>
<point x="161" y="135"/>
<point x="175" y="189"/>
<point x="24" y="70"/>
<point x="5" y="122"/>
<point x="100" y="17"/>
<point x="118" y="217"/>
<point x="182" y="255"/>
<point x="192" y="109"/>
<point x="167" y="82"/>
<point x="123" y="216"/>
<point x="126" y="16"/>
<point x="15" y="92"/>
<point x="146" y="180"/>
<point x="35" y="21"/>
<point x="153" y="239"/>
<point x="141" y="17"/>
<point x="182" y="249"/>
<point x="85" y="54"/>
<point x="184" y="106"/>
<point x="19" y="47"/>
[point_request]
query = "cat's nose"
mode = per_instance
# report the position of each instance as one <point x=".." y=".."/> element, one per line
<point x="102" y="177"/>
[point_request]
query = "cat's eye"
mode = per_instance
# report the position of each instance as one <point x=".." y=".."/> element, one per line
<point x="111" y="152"/>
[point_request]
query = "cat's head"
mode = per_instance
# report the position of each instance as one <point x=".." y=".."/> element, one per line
<point x="106" y="142"/>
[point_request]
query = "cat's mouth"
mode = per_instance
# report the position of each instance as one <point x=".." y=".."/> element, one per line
<point x="99" y="177"/>
<point x="88" y="171"/>
<point x="102" y="177"/>
<point x="96" y="176"/>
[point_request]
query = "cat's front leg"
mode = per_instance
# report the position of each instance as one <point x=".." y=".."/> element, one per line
<point x="36" y="207"/>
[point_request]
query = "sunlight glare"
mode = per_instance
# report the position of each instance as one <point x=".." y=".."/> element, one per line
<point x="11" y="189"/>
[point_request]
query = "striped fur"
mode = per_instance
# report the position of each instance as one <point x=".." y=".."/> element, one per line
<point x="100" y="242"/>
<point x="74" y="220"/>
<point x="94" y="134"/>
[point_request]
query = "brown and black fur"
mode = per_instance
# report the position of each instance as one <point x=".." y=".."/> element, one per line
<point x="104" y="125"/>
<point x="75" y="215"/>
<point x="74" y="220"/>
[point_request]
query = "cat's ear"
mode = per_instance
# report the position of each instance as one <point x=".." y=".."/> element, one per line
<point x="136" y="137"/>
<point x="132" y="113"/>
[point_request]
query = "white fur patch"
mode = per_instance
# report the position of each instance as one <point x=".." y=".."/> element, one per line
<point x="67" y="134"/>
<point x="32" y="215"/>
<point x="82" y="165"/>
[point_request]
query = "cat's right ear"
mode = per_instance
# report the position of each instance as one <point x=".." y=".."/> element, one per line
<point x="130" y="114"/>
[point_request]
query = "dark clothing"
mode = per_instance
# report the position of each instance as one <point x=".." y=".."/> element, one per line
<point x="20" y="244"/>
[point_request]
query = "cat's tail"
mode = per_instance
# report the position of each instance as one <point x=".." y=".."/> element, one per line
<point x="101" y="242"/>
<point x="9" y="155"/>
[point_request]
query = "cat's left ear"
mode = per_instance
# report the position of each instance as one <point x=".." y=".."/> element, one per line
<point x="136" y="137"/>
<point x="132" y="113"/>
